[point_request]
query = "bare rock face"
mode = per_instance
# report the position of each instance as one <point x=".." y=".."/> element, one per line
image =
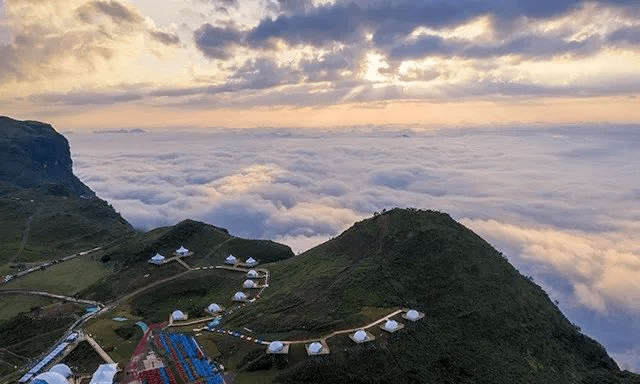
<point x="33" y="154"/>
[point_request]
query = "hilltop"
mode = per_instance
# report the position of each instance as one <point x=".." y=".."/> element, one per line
<point x="485" y="323"/>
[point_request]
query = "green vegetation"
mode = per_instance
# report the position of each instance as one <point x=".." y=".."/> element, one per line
<point x="118" y="339"/>
<point x="485" y="323"/>
<point x="191" y="294"/>
<point x="65" y="278"/>
<point x="13" y="304"/>
<point x="28" y="334"/>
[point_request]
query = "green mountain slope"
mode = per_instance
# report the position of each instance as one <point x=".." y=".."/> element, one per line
<point x="210" y="245"/>
<point x="485" y="323"/>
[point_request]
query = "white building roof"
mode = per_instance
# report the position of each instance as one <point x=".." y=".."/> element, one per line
<point x="230" y="259"/>
<point x="50" y="378"/>
<point x="213" y="308"/>
<point x="251" y="261"/>
<point x="62" y="369"/>
<point x="276" y="346"/>
<point x="252" y="273"/>
<point x="315" y="347"/>
<point x="104" y="374"/>
<point x="177" y="315"/>
<point x="249" y="284"/>
<point x="239" y="296"/>
<point x="182" y="250"/>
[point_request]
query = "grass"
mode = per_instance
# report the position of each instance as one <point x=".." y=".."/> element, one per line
<point x="13" y="304"/>
<point x="109" y="334"/>
<point x="57" y="225"/>
<point x="66" y="278"/>
<point x="191" y="294"/>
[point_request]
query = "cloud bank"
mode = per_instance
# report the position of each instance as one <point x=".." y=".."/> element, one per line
<point x="559" y="202"/>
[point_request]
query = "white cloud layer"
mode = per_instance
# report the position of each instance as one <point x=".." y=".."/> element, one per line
<point x="559" y="202"/>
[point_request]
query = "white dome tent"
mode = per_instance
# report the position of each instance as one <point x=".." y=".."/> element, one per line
<point x="276" y="346"/>
<point x="391" y="326"/>
<point x="214" y="308"/>
<point x="249" y="284"/>
<point x="178" y="315"/>
<point x="361" y="336"/>
<point x="62" y="369"/>
<point x="315" y="348"/>
<point x="413" y="315"/>
<point x="239" y="296"/>
<point x="50" y="378"/>
<point x="230" y="259"/>
<point x="182" y="251"/>
<point x="252" y="274"/>
<point x="251" y="262"/>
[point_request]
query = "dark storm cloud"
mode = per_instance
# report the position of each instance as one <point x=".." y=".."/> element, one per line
<point x="628" y="35"/>
<point x="530" y="46"/>
<point x="214" y="42"/>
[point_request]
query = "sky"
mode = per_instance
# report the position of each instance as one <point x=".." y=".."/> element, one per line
<point x="316" y="63"/>
<point x="290" y="120"/>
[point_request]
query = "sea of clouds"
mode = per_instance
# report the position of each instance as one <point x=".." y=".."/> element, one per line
<point x="560" y="202"/>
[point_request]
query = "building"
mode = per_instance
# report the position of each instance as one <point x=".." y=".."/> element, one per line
<point x="251" y="262"/>
<point x="252" y="274"/>
<point x="361" y="336"/>
<point x="182" y="251"/>
<point x="158" y="259"/>
<point x="240" y="296"/>
<point x="278" y="348"/>
<point x="214" y="308"/>
<point x="249" y="284"/>
<point x="50" y="378"/>
<point x="178" y="315"/>
<point x="391" y="326"/>
<point x="317" y="348"/>
<point x="104" y="374"/>
<point x="413" y="315"/>
<point x="62" y="369"/>
<point x="231" y="260"/>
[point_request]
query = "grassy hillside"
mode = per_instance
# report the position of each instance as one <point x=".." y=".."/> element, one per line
<point x="210" y="246"/>
<point x="485" y="323"/>
<point x="39" y="226"/>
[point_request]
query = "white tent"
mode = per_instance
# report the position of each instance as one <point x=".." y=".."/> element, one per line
<point x="214" y="308"/>
<point x="249" y="284"/>
<point x="62" y="369"/>
<point x="391" y="325"/>
<point x="412" y="315"/>
<point x="276" y="346"/>
<point x="315" y="347"/>
<point x="182" y="251"/>
<point x="157" y="259"/>
<point x="252" y="274"/>
<point x="50" y="378"/>
<point x="104" y="374"/>
<point x="230" y="259"/>
<point x="360" y="336"/>
<point x="178" y="315"/>
<point x="239" y="296"/>
<point x="251" y="261"/>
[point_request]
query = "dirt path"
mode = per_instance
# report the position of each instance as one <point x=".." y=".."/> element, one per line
<point x="49" y="294"/>
<point x="98" y="348"/>
<point x="25" y="235"/>
<point x="140" y="290"/>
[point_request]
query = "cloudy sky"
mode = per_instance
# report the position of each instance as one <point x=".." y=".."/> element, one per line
<point x="248" y="63"/>
<point x="518" y="117"/>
